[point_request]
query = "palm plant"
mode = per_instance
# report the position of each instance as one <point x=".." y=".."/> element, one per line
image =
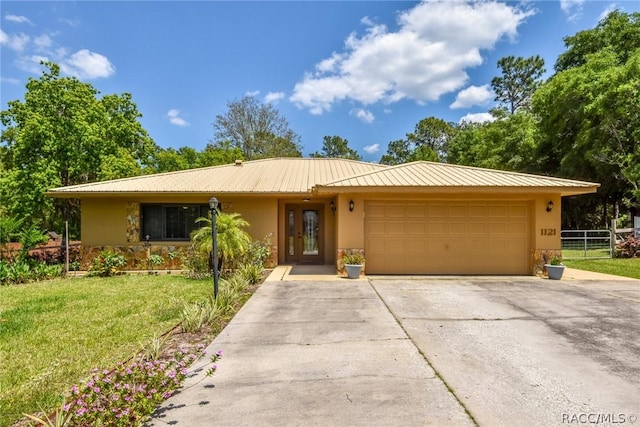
<point x="233" y="241"/>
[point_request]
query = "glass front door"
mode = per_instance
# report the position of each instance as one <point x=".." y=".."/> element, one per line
<point x="304" y="234"/>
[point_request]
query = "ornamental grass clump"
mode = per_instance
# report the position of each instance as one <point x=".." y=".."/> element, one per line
<point x="129" y="394"/>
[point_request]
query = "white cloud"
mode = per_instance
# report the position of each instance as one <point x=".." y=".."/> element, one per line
<point x="175" y="119"/>
<point x="424" y="59"/>
<point x="572" y="8"/>
<point x="18" y="19"/>
<point x="273" y="97"/>
<point x="364" y="115"/>
<point x="43" y="41"/>
<point x="16" y="42"/>
<point x="477" y="118"/>
<point x="374" y="148"/>
<point x="252" y="93"/>
<point x="85" y="64"/>
<point x="10" y="80"/>
<point x="31" y="63"/>
<point x="387" y="110"/>
<point x="473" y="95"/>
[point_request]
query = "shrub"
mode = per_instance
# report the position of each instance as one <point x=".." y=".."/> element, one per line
<point x="353" y="258"/>
<point x="106" y="264"/>
<point x="129" y="394"/>
<point x="628" y="248"/>
<point x="197" y="264"/>
<point x="196" y="316"/>
<point x="23" y="272"/>
<point x="252" y="273"/>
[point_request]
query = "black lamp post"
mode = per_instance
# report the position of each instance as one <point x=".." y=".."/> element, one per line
<point x="213" y="206"/>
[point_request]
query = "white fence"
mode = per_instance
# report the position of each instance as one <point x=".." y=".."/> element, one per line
<point x="581" y="244"/>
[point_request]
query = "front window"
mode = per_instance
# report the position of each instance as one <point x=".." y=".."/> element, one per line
<point x="171" y="222"/>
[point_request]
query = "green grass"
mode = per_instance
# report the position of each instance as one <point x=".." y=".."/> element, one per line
<point x="626" y="267"/>
<point x="53" y="333"/>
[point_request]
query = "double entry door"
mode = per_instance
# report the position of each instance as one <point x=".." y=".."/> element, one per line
<point x="304" y="233"/>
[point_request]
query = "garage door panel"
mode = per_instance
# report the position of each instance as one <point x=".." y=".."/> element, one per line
<point x="474" y="228"/>
<point x="396" y="228"/>
<point x="497" y="228"/>
<point x="417" y="228"/>
<point x="416" y="211"/>
<point x="396" y="211"/>
<point x="376" y="211"/>
<point x="376" y="228"/>
<point x="437" y="211"/>
<point x="447" y="238"/>
<point x="437" y="228"/>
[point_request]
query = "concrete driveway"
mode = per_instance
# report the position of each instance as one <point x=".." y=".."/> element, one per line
<point x="528" y="351"/>
<point x="423" y="351"/>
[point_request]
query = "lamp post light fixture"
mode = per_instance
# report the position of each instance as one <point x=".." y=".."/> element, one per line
<point x="213" y="206"/>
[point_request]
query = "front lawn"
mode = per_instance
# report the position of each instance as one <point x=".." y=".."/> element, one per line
<point x="626" y="267"/>
<point x="53" y="333"/>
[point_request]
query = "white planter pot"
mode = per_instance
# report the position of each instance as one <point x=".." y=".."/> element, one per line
<point x="554" y="271"/>
<point x="353" y="270"/>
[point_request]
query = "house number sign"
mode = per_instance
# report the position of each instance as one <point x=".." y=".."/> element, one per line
<point x="547" y="231"/>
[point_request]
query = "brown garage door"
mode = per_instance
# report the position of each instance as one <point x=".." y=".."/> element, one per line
<point x="447" y="237"/>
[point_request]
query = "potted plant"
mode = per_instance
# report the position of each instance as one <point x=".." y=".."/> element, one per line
<point x="555" y="268"/>
<point x="353" y="263"/>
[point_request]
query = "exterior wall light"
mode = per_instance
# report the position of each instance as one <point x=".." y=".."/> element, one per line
<point x="352" y="205"/>
<point x="213" y="206"/>
<point x="550" y="206"/>
<point x="332" y="206"/>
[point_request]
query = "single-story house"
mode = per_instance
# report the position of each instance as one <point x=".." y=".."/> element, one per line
<point x="413" y="218"/>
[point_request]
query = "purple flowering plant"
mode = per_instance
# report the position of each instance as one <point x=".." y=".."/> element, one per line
<point x="130" y="393"/>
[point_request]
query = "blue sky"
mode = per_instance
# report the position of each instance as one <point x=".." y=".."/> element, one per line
<point x="367" y="71"/>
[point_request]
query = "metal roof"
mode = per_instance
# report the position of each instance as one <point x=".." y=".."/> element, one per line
<point x="267" y="176"/>
<point x="429" y="176"/>
<point x="305" y="175"/>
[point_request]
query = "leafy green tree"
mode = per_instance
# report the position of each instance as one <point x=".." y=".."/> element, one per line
<point x="337" y="148"/>
<point x="618" y="31"/>
<point x="60" y="135"/>
<point x="398" y="152"/>
<point x="590" y="124"/>
<point x="233" y="240"/>
<point x="428" y="141"/>
<point x="519" y="80"/>
<point x="222" y="154"/>
<point x="257" y="129"/>
<point x="170" y="159"/>
<point x="508" y="143"/>
<point x="433" y="134"/>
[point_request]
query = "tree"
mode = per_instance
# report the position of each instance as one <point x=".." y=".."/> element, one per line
<point x="428" y="142"/>
<point x="63" y="134"/>
<point x="508" y="143"/>
<point x="232" y="239"/>
<point x="520" y="79"/>
<point x="591" y="126"/>
<point x="337" y="148"/>
<point x="433" y="134"/>
<point x="257" y="129"/>
<point x="222" y="154"/>
<point x="618" y="31"/>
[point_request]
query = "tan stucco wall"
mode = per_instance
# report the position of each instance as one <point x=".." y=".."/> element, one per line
<point x="103" y="222"/>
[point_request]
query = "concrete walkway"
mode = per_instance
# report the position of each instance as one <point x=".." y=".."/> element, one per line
<point x="314" y="353"/>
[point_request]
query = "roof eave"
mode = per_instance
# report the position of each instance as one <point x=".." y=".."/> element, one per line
<point x="563" y="190"/>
